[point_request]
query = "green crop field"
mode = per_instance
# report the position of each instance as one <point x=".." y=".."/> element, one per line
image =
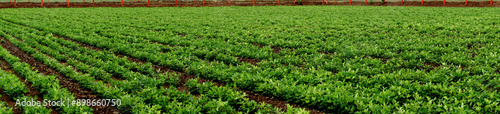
<point x="269" y="59"/>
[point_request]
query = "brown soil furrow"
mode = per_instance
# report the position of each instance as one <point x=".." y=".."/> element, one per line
<point x="255" y="44"/>
<point x="185" y="77"/>
<point x="11" y="102"/>
<point x="434" y="65"/>
<point x="32" y="90"/>
<point x="248" y="60"/>
<point x="276" y="49"/>
<point x="65" y="82"/>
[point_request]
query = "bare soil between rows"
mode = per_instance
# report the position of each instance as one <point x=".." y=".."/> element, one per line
<point x="185" y="77"/>
<point x="238" y="3"/>
<point x="6" y="67"/>
<point x="65" y="82"/>
<point x="32" y="91"/>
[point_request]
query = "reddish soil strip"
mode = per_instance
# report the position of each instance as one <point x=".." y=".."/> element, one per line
<point x="185" y="77"/>
<point x="32" y="90"/>
<point x="7" y="99"/>
<point x="260" y="98"/>
<point x="242" y="3"/>
<point x="276" y="49"/>
<point x="434" y="65"/>
<point x="116" y="78"/>
<point x="181" y="34"/>
<point x="255" y="44"/>
<point x="248" y="60"/>
<point x="65" y="82"/>
<point x="11" y="102"/>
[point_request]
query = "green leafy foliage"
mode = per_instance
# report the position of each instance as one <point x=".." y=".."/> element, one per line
<point x="333" y="59"/>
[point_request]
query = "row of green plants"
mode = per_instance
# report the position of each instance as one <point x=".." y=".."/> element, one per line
<point x="194" y="71"/>
<point x="208" y="107"/>
<point x="374" y="65"/>
<point x="332" y="63"/>
<point x="48" y="86"/>
<point x="15" y="89"/>
<point x="130" y="103"/>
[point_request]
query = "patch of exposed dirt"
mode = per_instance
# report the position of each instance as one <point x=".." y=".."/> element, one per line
<point x="434" y="65"/>
<point x="255" y="44"/>
<point x="11" y="102"/>
<point x="472" y="54"/>
<point x="275" y="102"/>
<point x="248" y="60"/>
<point x="276" y="49"/>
